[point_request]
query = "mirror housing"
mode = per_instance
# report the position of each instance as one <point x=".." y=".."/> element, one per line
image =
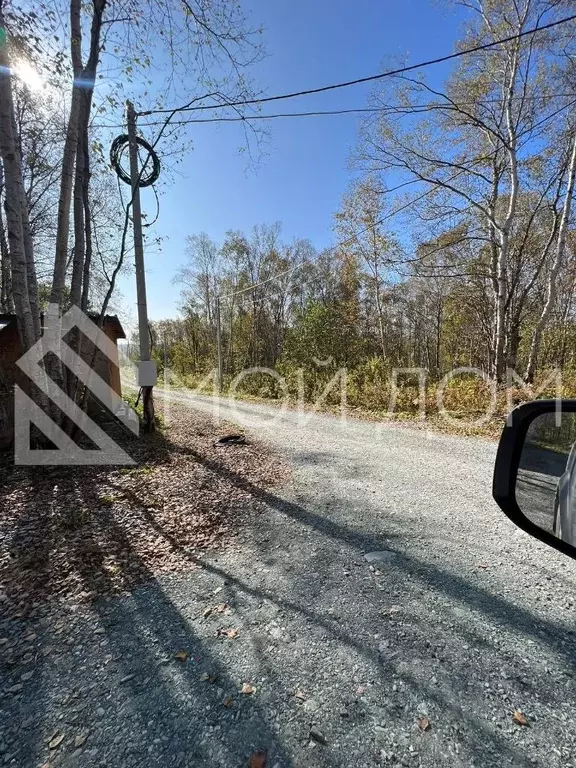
<point x="516" y="452"/>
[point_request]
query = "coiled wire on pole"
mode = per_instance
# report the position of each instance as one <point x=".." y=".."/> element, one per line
<point x="145" y="179"/>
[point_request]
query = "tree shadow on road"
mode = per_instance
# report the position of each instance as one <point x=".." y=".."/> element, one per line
<point x="159" y="706"/>
<point x="502" y="615"/>
<point x="156" y="706"/>
<point x="477" y="736"/>
<point x="165" y="705"/>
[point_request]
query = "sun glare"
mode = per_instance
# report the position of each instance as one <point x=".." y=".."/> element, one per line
<point x="25" y="72"/>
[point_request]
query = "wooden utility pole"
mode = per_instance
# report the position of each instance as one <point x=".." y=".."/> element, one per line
<point x="219" y="343"/>
<point x="146" y="369"/>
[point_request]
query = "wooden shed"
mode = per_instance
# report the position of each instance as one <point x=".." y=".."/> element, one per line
<point x="10" y="374"/>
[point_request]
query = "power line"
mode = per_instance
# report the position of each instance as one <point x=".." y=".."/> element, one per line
<point x="256" y="117"/>
<point x="370" y="78"/>
<point x="354" y="237"/>
<point x="392" y="108"/>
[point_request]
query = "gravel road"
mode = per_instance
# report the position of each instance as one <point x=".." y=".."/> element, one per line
<point x="419" y="658"/>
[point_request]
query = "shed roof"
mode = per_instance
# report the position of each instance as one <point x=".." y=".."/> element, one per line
<point x="111" y="321"/>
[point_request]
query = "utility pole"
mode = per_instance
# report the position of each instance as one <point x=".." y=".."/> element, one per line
<point x="146" y="367"/>
<point x="219" y="343"/>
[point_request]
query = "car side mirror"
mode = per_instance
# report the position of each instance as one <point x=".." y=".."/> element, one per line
<point x="535" y="473"/>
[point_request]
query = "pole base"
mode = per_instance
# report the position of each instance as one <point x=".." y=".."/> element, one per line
<point x="148" y="420"/>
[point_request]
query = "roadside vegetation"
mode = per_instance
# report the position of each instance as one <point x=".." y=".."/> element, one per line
<point x="454" y="246"/>
<point x="466" y="404"/>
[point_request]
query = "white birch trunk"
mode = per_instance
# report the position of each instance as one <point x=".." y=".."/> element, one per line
<point x="558" y="259"/>
<point x="14" y="191"/>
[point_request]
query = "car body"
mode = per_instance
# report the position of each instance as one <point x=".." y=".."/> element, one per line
<point x="564" y="525"/>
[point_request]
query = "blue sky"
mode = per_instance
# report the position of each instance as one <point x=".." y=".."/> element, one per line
<point x="301" y="180"/>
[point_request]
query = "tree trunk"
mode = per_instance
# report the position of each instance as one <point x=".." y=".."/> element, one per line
<point x="69" y="155"/>
<point x="28" y="247"/>
<point x="6" y="301"/>
<point x="504" y="245"/>
<point x="230" y="351"/>
<point x="73" y="173"/>
<point x="566" y="324"/>
<point x="75" y="340"/>
<point x="558" y="259"/>
<point x="497" y="288"/>
<point x="78" y="213"/>
<point x="513" y="341"/>
<point x="14" y="195"/>
<point x="439" y="313"/>
<point x="82" y="229"/>
<point x="500" y="310"/>
<point x="380" y="320"/>
<point x="88" y="231"/>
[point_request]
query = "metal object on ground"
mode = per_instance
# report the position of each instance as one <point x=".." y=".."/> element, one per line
<point x="226" y="440"/>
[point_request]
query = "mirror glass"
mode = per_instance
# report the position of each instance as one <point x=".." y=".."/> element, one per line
<point x="545" y="484"/>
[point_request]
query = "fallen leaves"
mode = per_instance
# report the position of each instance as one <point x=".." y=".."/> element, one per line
<point x="92" y="557"/>
<point x="298" y="694"/>
<point x="519" y="718"/>
<point x="55" y="740"/>
<point x="220" y="608"/>
<point x="248" y="689"/>
<point x="257" y="760"/>
<point x="231" y="633"/>
<point x="228" y="701"/>
<point x="423" y="723"/>
<point x="182" y="655"/>
<point x="80" y="739"/>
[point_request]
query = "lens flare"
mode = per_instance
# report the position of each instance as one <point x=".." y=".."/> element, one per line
<point x="26" y="73"/>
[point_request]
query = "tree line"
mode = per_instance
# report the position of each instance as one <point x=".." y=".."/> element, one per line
<point x="342" y="308"/>
<point x="455" y="242"/>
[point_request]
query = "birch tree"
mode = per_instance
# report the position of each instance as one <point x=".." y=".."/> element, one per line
<point x="557" y="264"/>
<point x="474" y="149"/>
<point x="23" y="276"/>
<point x="359" y="226"/>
